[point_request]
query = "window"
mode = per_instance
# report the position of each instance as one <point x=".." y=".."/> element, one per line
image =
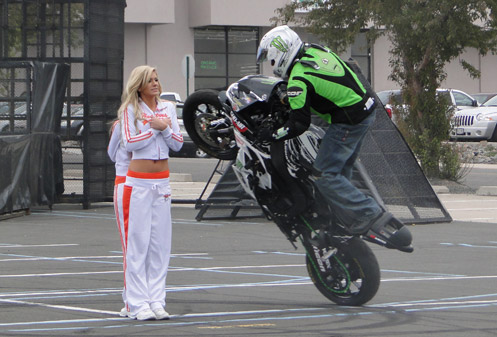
<point x="462" y="99"/>
<point x="224" y="55"/>
<point x="360" y="53"/>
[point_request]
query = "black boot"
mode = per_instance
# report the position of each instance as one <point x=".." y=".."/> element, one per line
<point x="389" y="229"/>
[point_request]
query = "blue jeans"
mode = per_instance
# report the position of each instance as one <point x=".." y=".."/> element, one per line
<point x="335" y="160"/>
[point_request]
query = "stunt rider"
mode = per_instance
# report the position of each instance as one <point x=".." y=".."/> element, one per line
<point x="319" y="81"/>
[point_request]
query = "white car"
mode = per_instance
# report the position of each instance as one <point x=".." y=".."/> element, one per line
<point x="189" y="149"/>
<point x="171" y="96"/>
<point x="476" y="124"/>
<point x="482" y="97"/>
<point x="459" y="99"/>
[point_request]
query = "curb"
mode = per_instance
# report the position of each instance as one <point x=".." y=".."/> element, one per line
<point x="487" y="190"/>
<point x="180" y="177"/>
<point x="440" y="189"/>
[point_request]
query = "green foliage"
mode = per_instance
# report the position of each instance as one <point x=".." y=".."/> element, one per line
<point x="449" y="162"/>
<point x="491" y="150"/>
<point x="454" y="163"/>
<point x="425" y="36"/>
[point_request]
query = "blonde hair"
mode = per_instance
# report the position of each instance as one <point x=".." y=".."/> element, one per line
<point x="139" y="77"/>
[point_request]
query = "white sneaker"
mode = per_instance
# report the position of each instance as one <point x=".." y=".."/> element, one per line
<point x="144" y="315"/>
<point x="124" y="312"/>
<point x="161" y="314"/>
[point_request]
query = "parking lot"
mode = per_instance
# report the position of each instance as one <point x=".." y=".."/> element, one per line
<point x="61" y="274"/>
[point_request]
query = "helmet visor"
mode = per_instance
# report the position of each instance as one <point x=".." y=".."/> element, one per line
<point x="261" y="55"/>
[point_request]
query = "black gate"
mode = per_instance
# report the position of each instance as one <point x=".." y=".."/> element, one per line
<point x="88" y="36"/>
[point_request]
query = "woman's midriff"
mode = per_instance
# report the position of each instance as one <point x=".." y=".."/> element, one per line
<point x="148" y="165"/>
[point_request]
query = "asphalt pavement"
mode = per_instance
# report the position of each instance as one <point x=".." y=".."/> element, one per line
<point x="61" y="275"/>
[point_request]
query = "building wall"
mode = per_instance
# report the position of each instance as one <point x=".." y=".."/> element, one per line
<point x="457" y="76"/>
<point x="380" y="67"/>
<point x="150" y="11"/>
<point x="233" y="12"/>
<point x="160" y="33"/>
<point x="162" y="45"/>
<point x="489" y="75"/>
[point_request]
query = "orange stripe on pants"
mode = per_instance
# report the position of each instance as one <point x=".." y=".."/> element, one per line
<point x="126" y="201"/>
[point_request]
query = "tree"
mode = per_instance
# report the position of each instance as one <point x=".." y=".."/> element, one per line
<point x="425" y="36"/>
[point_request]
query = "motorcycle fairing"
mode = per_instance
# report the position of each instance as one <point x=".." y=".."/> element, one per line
<point x="300" y="152"/>
<point x="245" y="169"/>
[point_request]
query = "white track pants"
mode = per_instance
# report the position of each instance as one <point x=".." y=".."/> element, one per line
<point x="147" y="239"/>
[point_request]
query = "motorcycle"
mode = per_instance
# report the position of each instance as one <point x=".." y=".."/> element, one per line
<point x="279" y="176"/>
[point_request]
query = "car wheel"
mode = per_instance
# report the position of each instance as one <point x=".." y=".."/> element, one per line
<point x="82" y="145"/>
<point x="494" y="135"/>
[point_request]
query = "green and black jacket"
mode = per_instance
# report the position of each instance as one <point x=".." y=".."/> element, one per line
<point x="321" y="83"/>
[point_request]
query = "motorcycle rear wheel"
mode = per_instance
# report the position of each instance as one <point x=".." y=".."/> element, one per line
<point x="200" y="109"/>
<point x="351" y="276"/>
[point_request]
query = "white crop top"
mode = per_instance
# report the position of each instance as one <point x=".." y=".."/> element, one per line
<point x="116" y="151"/>
<point x="145" y="142"/>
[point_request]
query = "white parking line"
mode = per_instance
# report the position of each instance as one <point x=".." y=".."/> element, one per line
<point x="470" y="208"/>
<point x="64" y="258"/>
<point x="64" y="307"/>
<point x="256" y="315"/>
<point x="5" y="245"/>
<point x="61" y="274"/>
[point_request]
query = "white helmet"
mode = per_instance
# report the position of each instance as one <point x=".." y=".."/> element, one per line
<point x="280" y="46"/>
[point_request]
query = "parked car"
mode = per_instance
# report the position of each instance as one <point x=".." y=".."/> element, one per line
<point x="483" y="97"/>
<point x="476" y="124"/>
<point x="75" y="129"/>
<point x="171" y="96"/>
<point x="189" y="148"/>
<point x="459" y="99"/>
<point x="19" y="117"/>
<point x="390" y="99"/>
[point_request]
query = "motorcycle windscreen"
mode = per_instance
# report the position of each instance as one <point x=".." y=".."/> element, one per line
<point x="252" y="89"/>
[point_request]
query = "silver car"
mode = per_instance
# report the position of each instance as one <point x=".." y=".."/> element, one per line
<point x="392" y="99"/>
<point x="476" y="124"/>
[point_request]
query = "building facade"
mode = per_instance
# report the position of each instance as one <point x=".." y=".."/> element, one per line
<point x="211" y="43"/>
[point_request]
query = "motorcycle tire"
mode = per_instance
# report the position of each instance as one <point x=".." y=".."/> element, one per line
<point x="350" y="277"/>
<point x="200" y="108"/>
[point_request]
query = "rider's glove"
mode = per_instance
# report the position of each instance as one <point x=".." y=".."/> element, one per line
<point x="265" y="135"/>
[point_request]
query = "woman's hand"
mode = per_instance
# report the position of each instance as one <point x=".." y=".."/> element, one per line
<point x="160" y="123"/>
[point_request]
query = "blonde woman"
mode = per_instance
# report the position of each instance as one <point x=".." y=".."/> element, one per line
<point x="149" y="129"/>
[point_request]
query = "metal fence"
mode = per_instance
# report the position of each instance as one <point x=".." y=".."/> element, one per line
<point x="88" y="35"/>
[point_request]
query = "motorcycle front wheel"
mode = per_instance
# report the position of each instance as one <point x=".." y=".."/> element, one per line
<point x="350" y="275"/>
<point x="208" y="126"/>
